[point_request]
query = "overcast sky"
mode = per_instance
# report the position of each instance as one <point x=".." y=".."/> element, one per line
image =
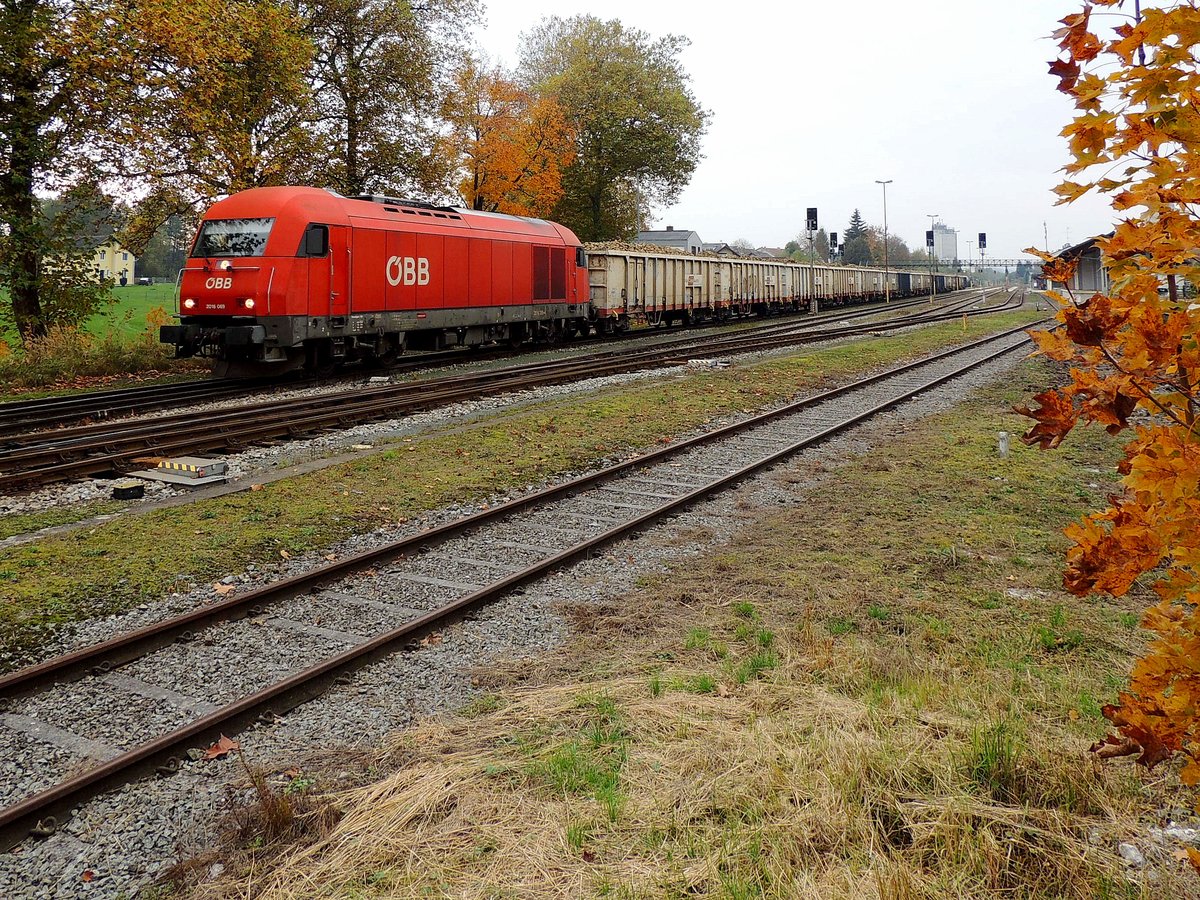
<point x="811" y="102"/>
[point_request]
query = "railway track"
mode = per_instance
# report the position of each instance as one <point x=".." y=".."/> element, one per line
<point x="19" y="417"/>
<point x="62" y="454"/>
<point x="315" y="628"/>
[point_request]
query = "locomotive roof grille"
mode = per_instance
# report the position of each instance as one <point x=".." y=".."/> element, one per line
<point x="400" y="201"/>
<point x="391" y="204"/>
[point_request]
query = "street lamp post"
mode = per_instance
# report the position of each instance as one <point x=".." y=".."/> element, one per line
<point x="970" y="254"/>
<point x="887" y="286"/>
<point x="932" y="257"/>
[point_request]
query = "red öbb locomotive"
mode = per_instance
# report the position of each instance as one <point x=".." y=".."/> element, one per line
<point x="280" y="277"/>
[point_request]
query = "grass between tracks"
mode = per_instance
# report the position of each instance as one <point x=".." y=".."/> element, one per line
<point x="878" y="692"/>
<point x="52" y="582"/>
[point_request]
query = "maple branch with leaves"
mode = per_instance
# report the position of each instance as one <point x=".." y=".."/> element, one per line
<point x="1133" y="348"/>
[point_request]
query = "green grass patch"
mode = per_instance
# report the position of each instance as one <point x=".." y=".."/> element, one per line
<point x="26" y="523"/>
<point x="131" y="307"/>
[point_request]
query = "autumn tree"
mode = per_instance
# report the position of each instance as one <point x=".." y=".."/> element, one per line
<point x="1134" y="353"/>
<point x="510" y="146"/>
<point x="381" y="72"/>
<point x="224" y="103"/>
<point x="629" y="103"/>
<point x="59" y="61"/>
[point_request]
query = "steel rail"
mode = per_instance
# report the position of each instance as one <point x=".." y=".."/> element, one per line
<point x="59" y="455"/>
<point x="39" y="812"/>
<point x="19" y="419"/>
<point x="20" y="416"/>
<point x="62" y="437"/>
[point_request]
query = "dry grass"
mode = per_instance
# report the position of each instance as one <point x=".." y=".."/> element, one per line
<point x="779" y="788"/>
<point x="69" y="357"/>
<point x="895" y="705"/>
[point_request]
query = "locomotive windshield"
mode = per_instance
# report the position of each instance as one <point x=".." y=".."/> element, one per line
<point x="233" y="237"/>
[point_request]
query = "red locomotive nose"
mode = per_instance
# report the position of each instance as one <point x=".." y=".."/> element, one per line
<point x="228" y="290"/>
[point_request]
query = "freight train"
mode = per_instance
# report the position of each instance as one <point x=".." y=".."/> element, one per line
<point x="284" y="277"/>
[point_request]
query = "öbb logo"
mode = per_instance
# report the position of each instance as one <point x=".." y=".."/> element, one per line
<point x="218" y="284"/>
<point x="407" y="270"/>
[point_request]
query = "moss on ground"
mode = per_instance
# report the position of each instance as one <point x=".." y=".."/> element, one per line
<point x="112" y="567"/>
<point x="27" y="523"/>
<point x="877" y="693"/>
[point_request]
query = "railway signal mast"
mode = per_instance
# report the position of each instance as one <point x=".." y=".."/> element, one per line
<point x="810" y="225"/>
<point x="932" y="256"/>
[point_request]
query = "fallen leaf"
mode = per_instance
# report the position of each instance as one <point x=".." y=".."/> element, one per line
<point x="722" y="691"/>
<point x="256" y="487"/>
<point x="588" y="856"/>
<point x="87" y="875"/>
<point x="330" y="557"/>
<point x="431" y="640"/>
<point x="285" y="554"/>
<point x="224" y="589"/>
<point x="292" y="772"/>
<point x="223" y="747"/>
<point x="1073" y="715"/>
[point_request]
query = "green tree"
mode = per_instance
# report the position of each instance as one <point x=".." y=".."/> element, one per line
<point x="858" y="248"/>
<point x="56" y="112"/>
<point x="166" y="251"/>
<point x="856" y="228"/>
<point x="637" y="125"/>
<point x="803" y="252"/>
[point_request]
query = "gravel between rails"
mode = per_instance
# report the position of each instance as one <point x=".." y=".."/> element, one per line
<point x="256" y="460"/>
<point x="125" y="838"/>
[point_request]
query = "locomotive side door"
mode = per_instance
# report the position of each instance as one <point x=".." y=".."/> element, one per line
<point x="328" y="248"/>
<point x="339" y="270"/>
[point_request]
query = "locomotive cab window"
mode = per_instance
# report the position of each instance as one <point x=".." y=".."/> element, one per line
<point x="580" y="258"/>
<point x="316" y="241"/>
<point x="232" y="237"/>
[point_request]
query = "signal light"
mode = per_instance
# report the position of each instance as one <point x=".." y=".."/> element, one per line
<point x="983" y="240"/>
<point x="929" y="239"/>
<point x="812" y="218"/>
<point x="189" y="303"/>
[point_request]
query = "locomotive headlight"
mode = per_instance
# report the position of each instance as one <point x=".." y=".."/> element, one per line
<point x="189" y="303"/>
<point x="248" y="303"/>
<point x="225" y="265"/>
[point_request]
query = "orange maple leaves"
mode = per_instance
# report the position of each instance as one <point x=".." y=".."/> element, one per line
<point x="1136" y="353"/>
<point x="512" y="146"/>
